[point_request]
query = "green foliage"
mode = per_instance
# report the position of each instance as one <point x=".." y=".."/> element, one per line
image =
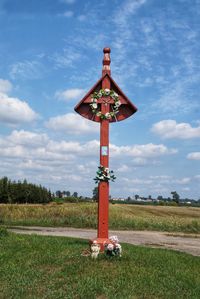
<point x="3" y="232"/>
<point x="95" y="193"/>
<point x="52" y="267"/>
<point x="22" y="192"/>
<point x="103" y="174"/>
<point x="175" y="197"/>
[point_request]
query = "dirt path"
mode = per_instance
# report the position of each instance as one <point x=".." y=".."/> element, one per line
<point x="177" y="241"/>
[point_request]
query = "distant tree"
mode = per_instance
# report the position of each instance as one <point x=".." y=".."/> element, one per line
<point x="149" y="197"/>
<point x="58" y="193"/>
<point x="159" y="197"/>
<point x="22" y="192"/>
<point x="175" y="197"/>
<point x="128" y="198"/>
<point x="68" y="193"/>
<point x="75" y="194"/>
<point x="137" y="196"/>
<point x="95" y="193"/>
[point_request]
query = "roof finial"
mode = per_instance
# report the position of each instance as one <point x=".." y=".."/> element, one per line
<point x="106" y="62"/>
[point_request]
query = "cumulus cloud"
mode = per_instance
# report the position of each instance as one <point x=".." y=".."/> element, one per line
<point x="194" y="156"/>
<point x="143" y="150"/>
<point x="171" y="129"/>
<point x="183" y="181"/>
<point x="72" y="123"/>
<point x="5" y="86"/>
<point x="23" y="137"/>
<point x="70" y="94"/>
<point x="40" y="159"/>
<point x="15" y="111"/>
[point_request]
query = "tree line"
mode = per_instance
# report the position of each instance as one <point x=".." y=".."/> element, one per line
<point x="22" y="192"/>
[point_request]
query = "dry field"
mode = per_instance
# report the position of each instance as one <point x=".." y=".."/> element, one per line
<point x="84" y="215"/>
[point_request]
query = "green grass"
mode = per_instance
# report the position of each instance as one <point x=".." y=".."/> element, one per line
<point x="84" y="215"/>
<point x="52" y="267"/>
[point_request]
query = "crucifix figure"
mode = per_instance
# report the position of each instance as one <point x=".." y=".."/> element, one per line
<point x="105" y="103"/>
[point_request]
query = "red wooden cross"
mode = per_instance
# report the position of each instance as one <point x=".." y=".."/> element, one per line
<point x="104" y="113"/>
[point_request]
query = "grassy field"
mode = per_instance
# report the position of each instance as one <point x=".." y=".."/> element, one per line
<point x="84" y="215"/>
<point x="52" y="267"/>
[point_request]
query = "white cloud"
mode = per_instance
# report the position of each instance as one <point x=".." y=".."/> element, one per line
<point x="67" y="58"/>
<point x="194" y="156"/>
<point x="143" y="151"/>
<point x="26" y="69"/>
<point x="15" y="111"/>
<point x="68" y="1"/>
<point x="82" y="18"/>
<point x="123" y="168"/>
<point x="5" y="86"/>
<point x="51" y="162"/>
<point x="176" y="98"/>
<point x="68" y="14"/>
<point x="171" y="129"/>
<point x="72" y="123"/>
<point x="28" y="138"/>
<point x="183" y="181"/>
<point x="70" y="94"/>
<point x="128" y="8"/>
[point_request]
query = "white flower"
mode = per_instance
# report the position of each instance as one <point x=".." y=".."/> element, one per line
<point x="100" y="94"/>
<point x="107" y="115"/>
<point x="93" y="100"/>
<point x="118" y="246"/>
<point x="107" y="91"/>
<point x="117" y="104"/>
<point x="118" y="249"/>
<point x="94" y="106"/>
<point x="110" y="247"/>
<point x="114" y="239"/>
<point x="98" y="113"/>
<point x="115" y="95"/>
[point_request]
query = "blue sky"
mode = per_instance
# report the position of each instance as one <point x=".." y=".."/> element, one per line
<point x="51" y="55"/>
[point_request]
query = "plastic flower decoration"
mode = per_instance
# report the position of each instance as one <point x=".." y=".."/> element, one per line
<point x="113" y="248"/>
<point x="104" y="174"/>
<point x="105" y="93"/>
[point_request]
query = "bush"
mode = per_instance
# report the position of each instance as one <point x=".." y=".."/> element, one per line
<point x="3" y="232"/>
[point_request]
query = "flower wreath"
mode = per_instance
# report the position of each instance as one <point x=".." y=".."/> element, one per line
<point x="104" y="174"/>
<point x="105" y="93"/>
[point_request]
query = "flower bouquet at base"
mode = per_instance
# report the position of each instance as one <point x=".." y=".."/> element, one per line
<point x="113" y="248"/>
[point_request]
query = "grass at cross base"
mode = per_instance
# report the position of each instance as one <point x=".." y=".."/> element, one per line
<point x="121" y="216"/>
<point x="52" y="267"/>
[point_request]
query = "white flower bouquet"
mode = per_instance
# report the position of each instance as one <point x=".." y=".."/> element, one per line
<point x="113" y="248"/>
<point x="104" y="174"/>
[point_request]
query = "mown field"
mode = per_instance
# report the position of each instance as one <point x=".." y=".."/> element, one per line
<point x="84" y="215"/>
<point x="53" y="267"/>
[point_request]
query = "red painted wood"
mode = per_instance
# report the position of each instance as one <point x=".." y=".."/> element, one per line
<point x="103" y="204"/>
<point x="125" y="110"/>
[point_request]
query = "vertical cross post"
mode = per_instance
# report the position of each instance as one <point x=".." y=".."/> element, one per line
<point x="103" y="204"/>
